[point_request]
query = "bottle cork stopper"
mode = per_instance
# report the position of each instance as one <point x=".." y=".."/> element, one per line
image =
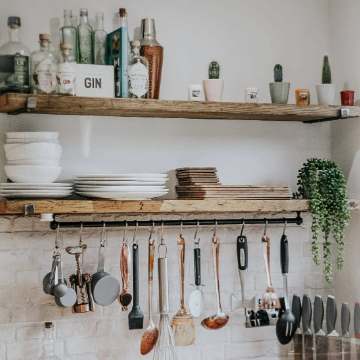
<point x="122" y="12"/>
<point x="44" y="37"/>
<point x="65" y="46"/>
<point x="48" y="325"/>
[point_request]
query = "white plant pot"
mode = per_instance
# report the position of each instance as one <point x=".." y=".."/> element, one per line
<point x="213" y="89"/>
<point x="326" y="94"/>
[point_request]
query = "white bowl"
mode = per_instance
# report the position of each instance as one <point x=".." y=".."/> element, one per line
<point x="35" y="151"/>
<point x="33" y="135"/>
<point x="32" y="173"/>
<point x="34" y="162"/>
<point x="28" y="141"/>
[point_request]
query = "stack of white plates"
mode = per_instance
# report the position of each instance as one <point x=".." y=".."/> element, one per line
<point x="32" y="157"/>
<point x="121" y="186"/>
<point x="35" y="191"/>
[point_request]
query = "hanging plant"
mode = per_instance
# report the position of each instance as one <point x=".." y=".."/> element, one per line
<point x="323" y="182"/>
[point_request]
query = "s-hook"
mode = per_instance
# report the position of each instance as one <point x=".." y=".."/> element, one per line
<point x="195" y="235"/>
<point x="124" y="233"/>
<point x="103" y="235"/>
<point x="135" y="231"/>
<point x="162" y="242"/>
<point x="242" y="228"/>
<point x="285" y="223"/>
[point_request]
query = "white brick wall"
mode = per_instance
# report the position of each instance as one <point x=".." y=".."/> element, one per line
<point x="26" y="254"/>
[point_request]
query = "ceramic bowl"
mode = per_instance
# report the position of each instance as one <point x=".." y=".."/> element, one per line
<point x="28" y="141"/>
<point x="35" y="151"/>
<point x="32" y="173"/>
<point x="33" y="135"/>
<point x="34" y="162"/>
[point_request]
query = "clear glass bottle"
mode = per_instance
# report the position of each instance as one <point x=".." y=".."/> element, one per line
<point x="49" y="343"/>
<point x="68" y="33"/>
<point x="14" y="61"/>
<point x="65" y="75"/>
<point x="99" y="39"/>
<point x="43" y="68"/>
<point x="138" y="73"/>
<point x="84" y="35"/>
<point x="122" y="89"/>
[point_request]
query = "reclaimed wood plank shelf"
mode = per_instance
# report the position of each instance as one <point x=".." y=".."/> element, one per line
<point x="69" y="105"/>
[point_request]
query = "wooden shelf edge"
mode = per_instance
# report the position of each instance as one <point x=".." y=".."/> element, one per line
<point x="69" y="105"/>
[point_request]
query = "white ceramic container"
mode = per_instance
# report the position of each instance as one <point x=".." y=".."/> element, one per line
<point x="34" y="151"/>
<point x="326" y="94"/>
<point x="213" y="89"/>
<point x="33" y="135"/>
<point x="32" y="173"/>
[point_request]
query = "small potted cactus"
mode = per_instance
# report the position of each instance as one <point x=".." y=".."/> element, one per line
<point x="213" y="87"/>
<point x="279" y="90"/>
<point x="326" y="91"/>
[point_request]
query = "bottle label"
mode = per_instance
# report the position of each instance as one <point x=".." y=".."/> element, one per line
<point x="20" y="77"/>
<point x="138" y="79"/>
<point x="45" y="76"/>
<point x="66" y="77"/>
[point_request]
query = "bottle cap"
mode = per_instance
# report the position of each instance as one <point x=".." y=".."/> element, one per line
<point x="68" y="12"/>
<point x="48" y="325"/>
<point x="122" y="12"/>
<point x="65" y="46"/>
<point x="44" y="37"/>
<point x="135" y="43"/>
<point x="83" y="11"/>
<point x="148" y="30"/>
<point x="14" y="20"/>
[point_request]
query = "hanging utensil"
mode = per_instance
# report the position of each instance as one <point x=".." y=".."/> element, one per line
<point x="60" y="288"/>
<point x="321" y="349"/>
<point x="242" y="258"/>
<point x="182" y="323"/>
<point x="345" y="324"/>
<point x="306" y="322"/>
<point x="334" y="341"/>
<point x="220" y="319"/>
<point x="270" y="300"/>
<point x="357" y="328"/>
<point x="125" y="263"/>
<point x="165" y="346"/>
<point x="104" y="287"/>
<point x="136" y="316"/>
<point x="297" y="311"/>
<point x="151" y="333"/>
<point x="196" y="300"/>
<point x="286" y="324"/>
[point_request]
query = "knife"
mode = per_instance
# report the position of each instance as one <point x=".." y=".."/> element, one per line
<point x="296" y="310"/>
<point x="334" y="341"/>
<point x="357" y="328"/>
<point x="306" y="321"/>
<point x="345" y="323"/>
<point x="320" y="339"/>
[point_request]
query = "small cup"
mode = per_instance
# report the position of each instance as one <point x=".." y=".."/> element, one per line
<point x="302" y="97"/>
<point x="195" y="92"/>
<point x="347" y="97"/>
<point x="251" y="95"/>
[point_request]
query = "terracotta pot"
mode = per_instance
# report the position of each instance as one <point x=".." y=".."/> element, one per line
<point x="213" y="89"/>
<point x="279" y="92"/>
<point x="326" y="94"/>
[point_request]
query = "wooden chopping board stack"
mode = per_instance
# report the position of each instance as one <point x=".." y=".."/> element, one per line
<point x="203" y="183"/>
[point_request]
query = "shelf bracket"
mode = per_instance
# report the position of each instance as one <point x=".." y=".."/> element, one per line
<point x="30" y="106"/>
<point x="344" y="114"/>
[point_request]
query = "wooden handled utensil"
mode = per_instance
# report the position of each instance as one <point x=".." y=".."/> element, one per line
<point x="125" y="263"/>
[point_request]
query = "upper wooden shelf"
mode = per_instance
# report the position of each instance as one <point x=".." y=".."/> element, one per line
<point x="69" y="105"/>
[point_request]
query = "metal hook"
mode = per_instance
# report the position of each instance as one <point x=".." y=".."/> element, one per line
<point x="81" y="233"/>
<point x="152" y="229"/>
<point x="57" y="236"/>
<point x="285" y="223"/>
<point x="135" y="231"/>
<point x="266" y="223"/>
<point x="242" y="228"/>
<point x="196" y="231"/>
<point x="181" y="227"/>
<point x="124" y="234"/>
<point x="103" y="235"/>
<point x="215" y="228"/>
<point x="162" y="242"/>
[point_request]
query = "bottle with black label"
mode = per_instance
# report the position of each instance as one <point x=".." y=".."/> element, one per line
<point x="14" y="61"/>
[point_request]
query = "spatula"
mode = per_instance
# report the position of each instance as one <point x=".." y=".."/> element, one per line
<point x="345" y="323"/>
<point x="306" y="321"/>
<point x="297" y="311"/>
<point x="320" y="338"/>
<point x="334" y="342"/>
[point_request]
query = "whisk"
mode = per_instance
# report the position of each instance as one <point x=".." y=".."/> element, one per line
<point x="165" y="346"/>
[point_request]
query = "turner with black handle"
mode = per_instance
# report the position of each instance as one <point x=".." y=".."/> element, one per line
<point x="306" y="322"/>
<point x="321" y="344"/>
<point x="345" y="324"/>
<point x="297" y="311"/>
<point x="334" y="341"/>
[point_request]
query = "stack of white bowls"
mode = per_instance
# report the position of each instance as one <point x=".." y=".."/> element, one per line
<point x="33" y="164"/>
<point x="32" y="157"/>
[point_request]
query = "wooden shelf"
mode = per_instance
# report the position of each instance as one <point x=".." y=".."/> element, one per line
<point x="69" y="105"/>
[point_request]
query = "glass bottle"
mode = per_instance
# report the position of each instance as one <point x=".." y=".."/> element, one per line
<point x="84" y="35"/>
<point x="49" y="343"/>
<point x="99" y="39"/>
<point x="68" y="33"/>
<point x="123" y="87"/>
<point x="65" y="75"/>
<point x="154" y="52"/>
<point x="14" y="61"/>
<point x="138" y="73"/>
<point x="43" y="68"/>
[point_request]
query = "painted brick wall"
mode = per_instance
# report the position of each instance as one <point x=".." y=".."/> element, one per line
<point x="26" y="247"/>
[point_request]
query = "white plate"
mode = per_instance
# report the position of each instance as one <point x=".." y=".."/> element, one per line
<point x="29" y="185"/>
<point x="119" y="183"/>
<point x="21" y="191"/>
<point x="120" y="188"/>
<point x="29" y="141"/>
<point x="35" y="196"/>
<point x="124" y="176"/>
<point x="122" y="196"/>
<point x="42" y="189"/>
<point x="158" y="180"/>
<point x="32" y="135"/>
<point x="34" y="162"/>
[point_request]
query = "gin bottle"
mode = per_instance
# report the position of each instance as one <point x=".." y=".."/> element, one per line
<point x="138" y="73"/>
<point x="84" y="34"/>
<point x="68" y="33"/>
<point x="99" y="40"/>
<point x="65" y="75"/>
<point x="14" y="61"/>
<point x="43" y="68"/>
<point x="49" y="343"/>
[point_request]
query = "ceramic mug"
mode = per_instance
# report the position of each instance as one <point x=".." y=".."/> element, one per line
<point x="195" y="92"/>
<point x="347" y="97"/>
<point x="252" y="95"/>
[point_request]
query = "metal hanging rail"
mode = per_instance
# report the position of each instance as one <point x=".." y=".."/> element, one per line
<point x="146" y="223"/>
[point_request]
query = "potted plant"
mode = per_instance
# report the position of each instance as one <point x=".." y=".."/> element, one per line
<point x="213" y="87"/>
<point x="279" y="90"/>
<point x="326" y="91"/>
<point x="323" y="182"/>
